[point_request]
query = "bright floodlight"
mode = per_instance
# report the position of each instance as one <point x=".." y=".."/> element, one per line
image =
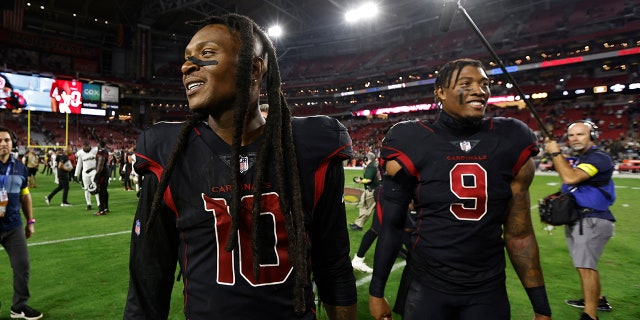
<point x="365" y="11"/>
<point x="274" y="31"/>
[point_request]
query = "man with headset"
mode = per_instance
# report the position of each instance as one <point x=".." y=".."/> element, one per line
<point x="15" y="197"/>
<point x="589" y="180"/>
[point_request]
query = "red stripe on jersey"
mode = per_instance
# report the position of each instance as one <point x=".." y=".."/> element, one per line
<point x="157" y="169"/>
<point x="524" y="156"/>
<point x="403" y="159"/>
<point x="321" y="172"/>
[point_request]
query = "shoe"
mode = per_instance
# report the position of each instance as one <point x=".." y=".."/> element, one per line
<point x="88" y="207"/>
<point x="100" y="213"/>
<point x="585" y="316"/>
<point x="65" y="204"/>
<point x="603" y="304"/>
<point x="46" y="199"/>
<point x="355" y="227"/>
<point x="358" y="264"/>
<point x="106" y="211"/>
<point x="25" y="312"/>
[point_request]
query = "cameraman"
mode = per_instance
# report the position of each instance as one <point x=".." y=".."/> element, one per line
<point x="589" y="180"/>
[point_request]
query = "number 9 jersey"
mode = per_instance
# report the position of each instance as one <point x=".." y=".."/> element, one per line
<point x="461" y="192"/>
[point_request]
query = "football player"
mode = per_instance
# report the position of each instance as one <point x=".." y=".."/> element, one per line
<point x="469" y="179"/>
<point x="250" y="208"/>
<point x="86" y="171"/>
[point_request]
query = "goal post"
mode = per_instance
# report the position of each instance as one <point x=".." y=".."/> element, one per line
<point x="46" y="147"/>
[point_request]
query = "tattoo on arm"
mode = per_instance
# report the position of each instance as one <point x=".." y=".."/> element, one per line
<point x="519" y="236"/>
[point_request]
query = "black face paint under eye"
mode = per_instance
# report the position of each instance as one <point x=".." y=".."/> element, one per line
<point x="461" y="96"/>
<point x="202" y="63"/>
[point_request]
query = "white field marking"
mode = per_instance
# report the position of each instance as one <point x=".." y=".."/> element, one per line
<point x="76" y="238"/>
<point x="364" y="280"/>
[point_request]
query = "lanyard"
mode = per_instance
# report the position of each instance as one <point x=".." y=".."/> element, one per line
<point x="6" y="175"/>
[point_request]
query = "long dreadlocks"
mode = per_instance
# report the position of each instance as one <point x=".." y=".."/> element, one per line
<point x="277" y="148"/>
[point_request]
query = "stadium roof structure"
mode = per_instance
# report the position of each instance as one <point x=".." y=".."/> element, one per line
<point x="311" y="27"/>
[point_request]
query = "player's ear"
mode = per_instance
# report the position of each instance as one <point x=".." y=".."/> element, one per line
<point x="258" y="69"/>
<point x="439" y="94"/>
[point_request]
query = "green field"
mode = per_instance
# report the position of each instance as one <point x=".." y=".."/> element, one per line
<point x="79" y="262"/>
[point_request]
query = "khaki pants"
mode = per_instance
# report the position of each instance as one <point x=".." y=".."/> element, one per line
<point x="366" y="206"/>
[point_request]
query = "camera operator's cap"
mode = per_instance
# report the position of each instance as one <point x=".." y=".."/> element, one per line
<point x="371" y="156"/>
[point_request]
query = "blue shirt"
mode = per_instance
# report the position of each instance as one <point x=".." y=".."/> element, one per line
<point x="14" y="181"/>
<point x="598" y="192"/>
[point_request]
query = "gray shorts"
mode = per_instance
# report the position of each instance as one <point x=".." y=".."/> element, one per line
<point x="587" y="248"/>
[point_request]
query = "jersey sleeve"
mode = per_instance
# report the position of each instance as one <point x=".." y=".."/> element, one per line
<point x="331" y="263"/>
<point x="152" y="147"/>
<point x="154" y="249"/>
<point x="322" y="144"/>
<point x="522" y="140"/>
<point x="399" y="142"/>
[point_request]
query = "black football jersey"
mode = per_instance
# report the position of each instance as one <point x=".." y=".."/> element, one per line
<point x="461" y="193"/>
<point x="193" y="227"/>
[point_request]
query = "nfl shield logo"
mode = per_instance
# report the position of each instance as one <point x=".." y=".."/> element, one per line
<point x="244" y="164"/>
<point x="465" y="146"/>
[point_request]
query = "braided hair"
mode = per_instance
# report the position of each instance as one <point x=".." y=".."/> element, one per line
<point x="277" y="148"/>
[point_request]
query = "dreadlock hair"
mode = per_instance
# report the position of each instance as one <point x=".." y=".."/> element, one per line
<point x="277" y="148"/>
<point x="443" y="80"/>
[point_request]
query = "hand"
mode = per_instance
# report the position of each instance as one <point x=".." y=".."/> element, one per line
<point x="379" y="308"/>
<point x="357" y="179"/>
<point x="551" y="146"/>
<point x="29" y="230"/>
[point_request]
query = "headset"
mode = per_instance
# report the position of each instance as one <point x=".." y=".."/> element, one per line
<point x="593" y="133"/>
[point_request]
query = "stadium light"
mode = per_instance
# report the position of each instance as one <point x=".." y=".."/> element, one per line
<point x="363" y="12"/>
<point x="275" y="31"/>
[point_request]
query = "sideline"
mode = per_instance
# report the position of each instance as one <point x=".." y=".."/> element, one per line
<point x="75" y="239"/>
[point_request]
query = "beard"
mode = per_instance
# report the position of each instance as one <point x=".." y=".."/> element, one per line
<point x="578" y="147"/>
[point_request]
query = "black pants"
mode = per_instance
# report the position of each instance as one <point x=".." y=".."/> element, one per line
<point x="63" y="184"/>
<point x="424" y="303"/>
<point x="103" y="193"/>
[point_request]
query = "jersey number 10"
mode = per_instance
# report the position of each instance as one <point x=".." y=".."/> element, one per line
<point x="270" y="273"/>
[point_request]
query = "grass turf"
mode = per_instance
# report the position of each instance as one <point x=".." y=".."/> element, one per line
<point x="79" y="262"/>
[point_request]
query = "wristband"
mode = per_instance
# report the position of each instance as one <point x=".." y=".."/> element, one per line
<point x="539" y="300"/>
<point x="31" y="221"/>
<point x="554" y="154"/>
